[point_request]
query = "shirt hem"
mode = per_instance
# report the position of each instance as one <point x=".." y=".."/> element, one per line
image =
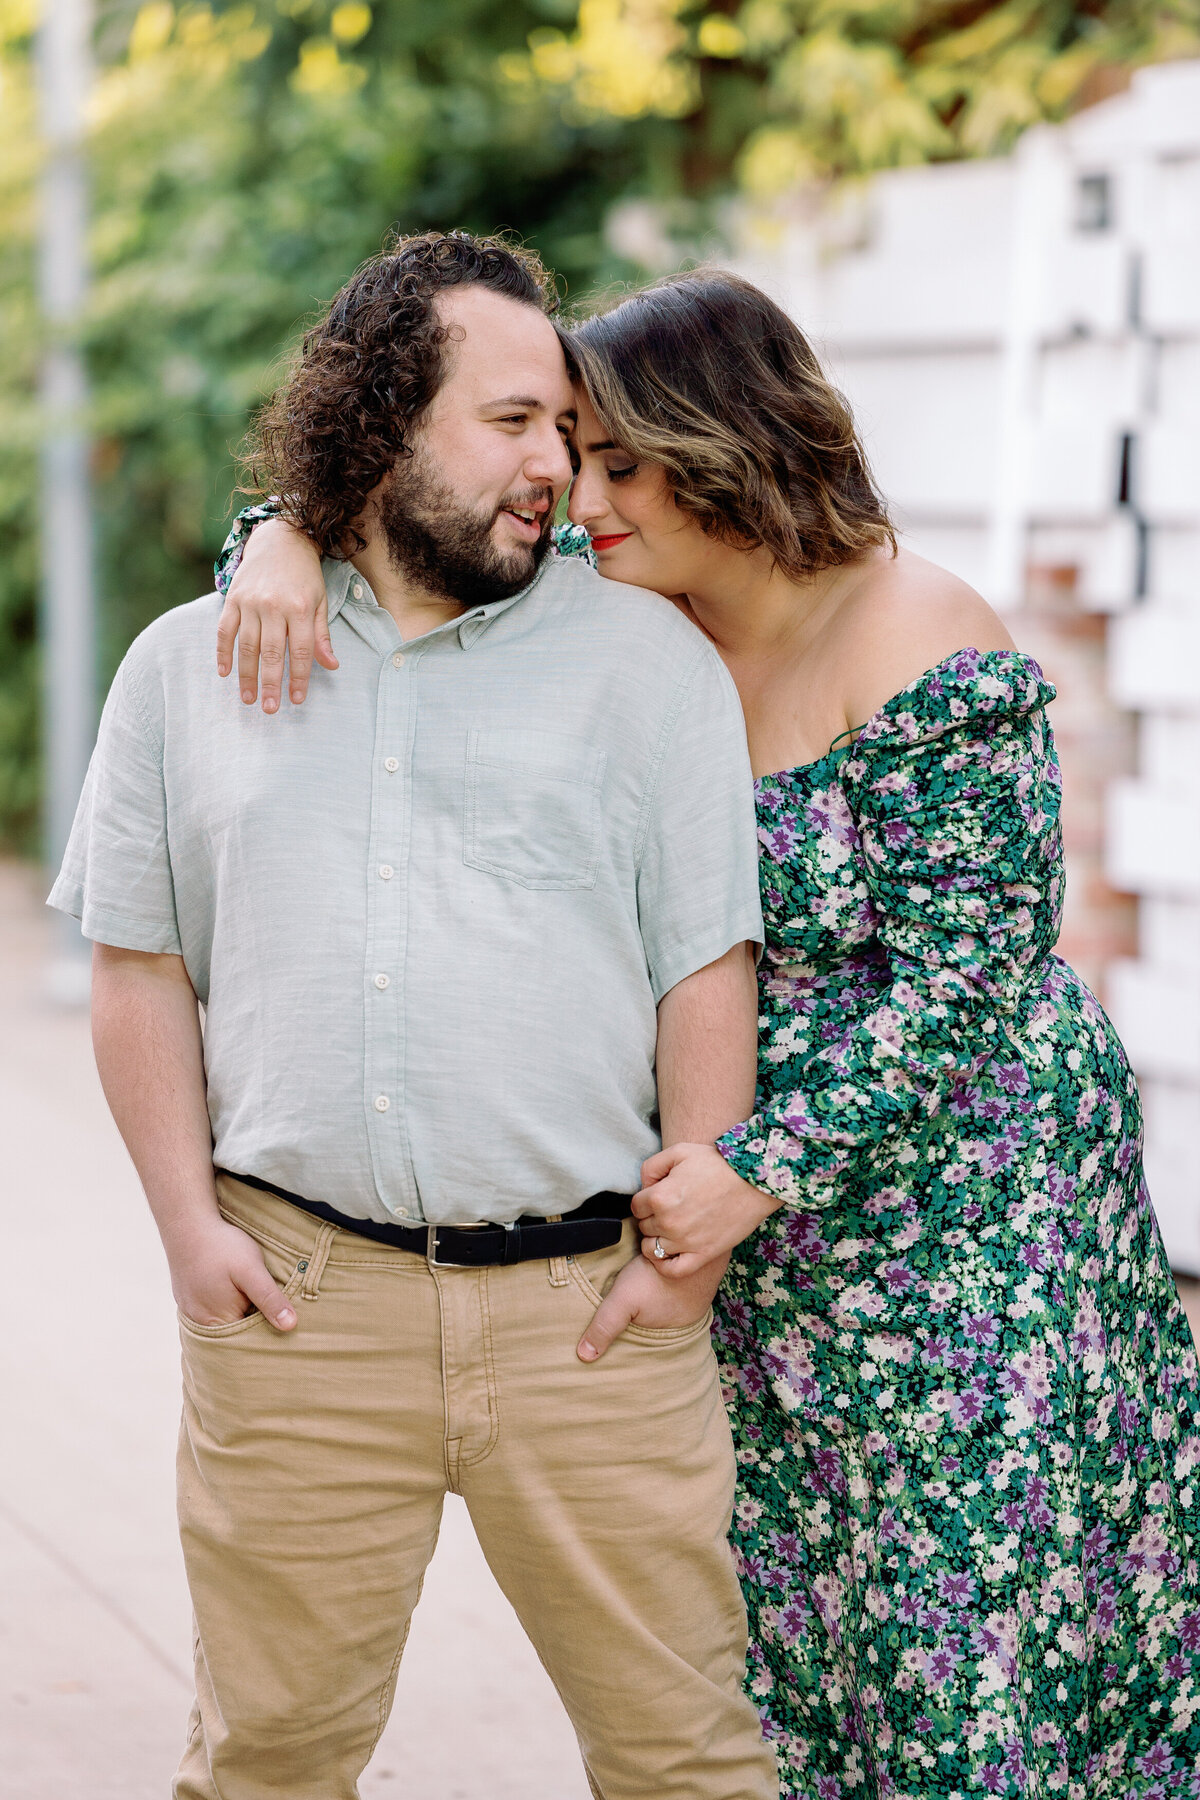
<point x="101" y="927"/>
<point x="670" y="970"/>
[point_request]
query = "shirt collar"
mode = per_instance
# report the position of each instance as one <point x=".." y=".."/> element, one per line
<point x="345" y="588"/>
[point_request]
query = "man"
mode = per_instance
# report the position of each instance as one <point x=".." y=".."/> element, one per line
<point x="444" y="920"/>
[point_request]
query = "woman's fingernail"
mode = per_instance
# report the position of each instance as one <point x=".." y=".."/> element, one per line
<point x="248" y="696"/>
<point x="270" y="705"/>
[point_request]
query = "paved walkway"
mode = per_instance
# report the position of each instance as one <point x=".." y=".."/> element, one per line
<point x="94" y="1632"/>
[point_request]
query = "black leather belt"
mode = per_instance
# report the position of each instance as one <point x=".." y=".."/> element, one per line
<point x="593" y="1226"/>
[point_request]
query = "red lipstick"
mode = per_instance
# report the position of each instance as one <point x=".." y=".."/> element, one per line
<point x="608" y="543"/>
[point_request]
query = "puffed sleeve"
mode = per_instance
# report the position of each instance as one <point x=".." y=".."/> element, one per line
<point x="226" y="565"/>
<point x="954" y="790"/>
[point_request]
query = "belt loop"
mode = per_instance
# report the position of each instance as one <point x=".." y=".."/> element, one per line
<point x="512" y="1243"/>
<point x="318" y="1257"/>
<point x="557" y="1265"/>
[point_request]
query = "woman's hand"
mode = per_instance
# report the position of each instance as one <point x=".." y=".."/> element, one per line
<point x="695" y="1208"/>
<point x="276" y="603"/>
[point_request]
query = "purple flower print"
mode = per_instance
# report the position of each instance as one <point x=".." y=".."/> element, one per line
<point x="957" y="1587"/>
<point x="966" y="1409"/>
<point x="1012" y="1077"/>
<point x="980" y="1328"/>
<point x="940" y="1665"/>
<point x="794" y="1619"/>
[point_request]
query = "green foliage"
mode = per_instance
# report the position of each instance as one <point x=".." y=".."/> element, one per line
<point x="243" y="163"/>
<point x="785" y="91"/>
<point x="245" y="157"/>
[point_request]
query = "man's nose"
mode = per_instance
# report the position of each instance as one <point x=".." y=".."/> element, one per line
<point x="549" y="462"/>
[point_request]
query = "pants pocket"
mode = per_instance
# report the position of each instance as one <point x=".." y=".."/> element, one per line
<point x="285" y="1266"/>
<point x="594" y="1275"/>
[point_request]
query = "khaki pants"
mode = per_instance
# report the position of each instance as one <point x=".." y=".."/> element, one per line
<point x="312" y="1470"/>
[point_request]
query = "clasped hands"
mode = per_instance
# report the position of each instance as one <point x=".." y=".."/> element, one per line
<point x="694" y="1208"/>
<point x="698" y="1209"/>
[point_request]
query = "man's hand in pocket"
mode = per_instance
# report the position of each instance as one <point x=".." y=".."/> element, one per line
<point x="641" y="1296"/>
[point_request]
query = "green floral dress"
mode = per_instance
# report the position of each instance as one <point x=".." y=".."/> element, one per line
<point x="962" y="1387"/>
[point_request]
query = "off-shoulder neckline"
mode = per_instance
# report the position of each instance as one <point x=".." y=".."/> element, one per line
<point x="880" y="715"/>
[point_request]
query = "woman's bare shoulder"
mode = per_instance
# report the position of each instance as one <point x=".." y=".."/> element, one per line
<point x="905" y="617"/>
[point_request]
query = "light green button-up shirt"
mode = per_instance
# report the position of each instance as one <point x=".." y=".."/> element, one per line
<point x="430" y="912"/>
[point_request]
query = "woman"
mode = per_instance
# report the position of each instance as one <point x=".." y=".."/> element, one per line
<point x="962" y="1389"/>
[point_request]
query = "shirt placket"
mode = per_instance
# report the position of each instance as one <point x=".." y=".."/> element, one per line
<point x="389" y="905"/>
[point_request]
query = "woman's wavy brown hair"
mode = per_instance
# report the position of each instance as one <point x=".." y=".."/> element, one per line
<point x="707" y="377"/>
<point x="365" y="375"/>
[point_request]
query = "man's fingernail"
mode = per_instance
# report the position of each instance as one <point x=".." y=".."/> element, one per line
<point x="287" y="1316"/>
<point x="587" y="1352"/>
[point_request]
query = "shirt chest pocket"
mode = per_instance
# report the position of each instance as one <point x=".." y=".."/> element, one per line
<point x="533" y="807"/>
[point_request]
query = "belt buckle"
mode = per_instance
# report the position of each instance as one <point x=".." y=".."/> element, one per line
<point x="431" y="1251"/>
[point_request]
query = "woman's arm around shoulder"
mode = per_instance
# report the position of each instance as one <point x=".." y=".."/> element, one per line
<point x="275" y="605"/>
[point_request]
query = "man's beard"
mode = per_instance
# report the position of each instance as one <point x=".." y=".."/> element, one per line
<point x="446" y="548"/>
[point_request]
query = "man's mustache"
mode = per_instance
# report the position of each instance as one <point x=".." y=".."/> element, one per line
<point x="533" y="500"/>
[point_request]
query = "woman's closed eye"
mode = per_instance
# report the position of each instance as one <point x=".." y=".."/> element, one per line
<point x="623" y="474"/>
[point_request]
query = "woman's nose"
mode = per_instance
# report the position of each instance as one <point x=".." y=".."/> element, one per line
<point x="586" y="501"/>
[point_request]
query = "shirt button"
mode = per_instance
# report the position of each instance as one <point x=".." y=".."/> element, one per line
<point x="397" y="661"/>
<point x="356" y="590"/>
<point x="391" y="764"/>
<point x="382" y="1103"/>
<point x="381" y="981"/>
<point x="386" y="871"/>
<point x="403" y="1211"/>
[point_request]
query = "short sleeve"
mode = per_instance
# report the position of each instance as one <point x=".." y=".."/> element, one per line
<point x="116" y="875"/>
<point x="697" y="883"/>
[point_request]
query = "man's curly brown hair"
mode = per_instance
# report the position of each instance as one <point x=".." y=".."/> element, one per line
<point x="365" y="375"/>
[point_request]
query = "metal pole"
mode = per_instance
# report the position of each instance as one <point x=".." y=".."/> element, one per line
<point x="68" y="627"/>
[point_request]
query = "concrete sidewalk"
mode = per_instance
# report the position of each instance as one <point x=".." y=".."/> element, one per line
<point x="94" y="1626"/>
